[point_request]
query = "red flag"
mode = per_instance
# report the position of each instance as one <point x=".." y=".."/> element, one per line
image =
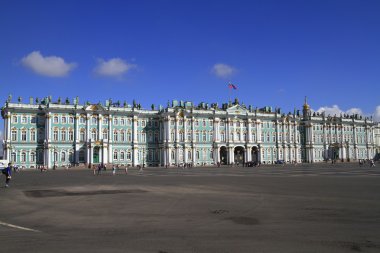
<point x="232" y="86"/>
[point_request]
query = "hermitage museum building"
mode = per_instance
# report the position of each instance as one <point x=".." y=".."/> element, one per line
<point x="63" y="133"/>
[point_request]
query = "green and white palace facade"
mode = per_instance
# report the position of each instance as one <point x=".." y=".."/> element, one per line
<point x="48" y="133"/>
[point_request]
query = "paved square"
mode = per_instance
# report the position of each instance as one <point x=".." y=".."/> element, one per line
<point x="304" y="208"/>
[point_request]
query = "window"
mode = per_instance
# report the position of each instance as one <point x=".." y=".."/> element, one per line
<point x="81" y="155"/>
<point x="156" y="136"/>
<point x="32" y="135"/>
<point x="32" y="157"/>
<point x="204" y="122"/>
<point x="93" y="134"/>
<point x="143" y="137"/>
<point x="115" y="155"/>
<point x="196" y="123"/>
<point x="23" y="135"/>
<point x="13" y="157"/>
<point x="115" y="121"/>
<point x="129" y="155"/>
<point x="197" y="154"/>
<point x="188" y="136"/>
<point x="122" y="155"/>
<point x="71" y="156"/>
<point x="122" y="122"/>
<point x="82" y="135"/>
<point x="129" y="136"/>
<point x="244" y="136"/>
<point x="23" y="157"/>
<point x="63" y="157"/>
<point x="172" y="135"/>
<point x="33" y="119"/>
<point x="94" y="120"/>
<point x="64" y="120"/>
<point x="63" y="135"/>
<point x="211" y="122"/>
<point x="173" y="155"/>
<point x="122" y="136"/>
<point x="129" y="122"/>
<point x="150" y="136"/>
<point x="189" y="155"/>
<point x="197" y="136"/>
<point x="105" y="120"/>
<point x="181" y="136"/>
<point x="115" y="136"/>
<point x="105" y="134"/>
<point x="23" y="120"/>
<point x="204" y="135"/>
<point x="71" y="120"/>
<point x="222" y="137"/>
<point x="14" y="119"/>
<point x="82" y="120"/>
<point x="55" y="119"/>
<point x="14" y="135"/>
<point x="143" y="123"/>
<point x="71" y="135"/>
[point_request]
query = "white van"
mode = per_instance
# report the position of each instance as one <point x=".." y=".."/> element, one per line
<point x="3" y="164"/>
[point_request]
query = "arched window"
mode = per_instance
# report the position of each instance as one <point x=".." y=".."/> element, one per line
<point x="173" y="155"/>
<point x="63" y="157"/>
<point x="231" y="136"/>
<point x="189" y="155"/>
<point x="94" y="134"/>
<point x="181" y="136"/>
<point x="64" y="121"/>
<point x="23" y="135"/>
<point x="129" y="155"/>
<point x="14" y="135"/>
<point x="23" y="157"/>
<point x="115" y="136"/>
<point x="197" y="136"/>
<point x="222" y="136"/>
<point x="55" y="135"/>
<point x="211" y="136"/>
<point x="143" y="135"/>
<point x="71" y="135"/>
<point x="204" y="134"/>
<point x="156" y="136"/>
<point x="122" y="136"/>
<point x="82" y="120"/>
<point x="197" y="154"/>
<point x="82" y="135"/>
<point x="32" y="157"/>
<point x="105" y="134"/>
<point x="55" y="119"/>
<point x="172" y="135"/>
<point x="13" y="157"/>
<point x="188" y="136"/>
<point x="115" y="156"/>
<point x="129" y="136"/>
<point x="32" y="135"/>
<point x="150" y="136"/>
<point x="63" y="135"/>
<point x="122" y="155"/>
<point x="94" y="120"/>
<point x="71" y="120"/>
<point x="14" y="119"/>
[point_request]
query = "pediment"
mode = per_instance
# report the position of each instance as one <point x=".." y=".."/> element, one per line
<point x="237" y="109"/>
<point x="94" y="107"/>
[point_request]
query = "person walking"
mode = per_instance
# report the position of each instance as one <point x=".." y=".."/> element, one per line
<point x="126" y="169"/>
<point x="8" y="173"/>
<point x="99" y="169"/>
<point x="113" y="169"/>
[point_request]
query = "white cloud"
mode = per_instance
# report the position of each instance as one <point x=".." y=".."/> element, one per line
<point x="52" y="66"/>
<point x="335" y="110"/>
<point x="114" y="67"/>
<point x="223" y="70"/>
<point x="376" y="115"/>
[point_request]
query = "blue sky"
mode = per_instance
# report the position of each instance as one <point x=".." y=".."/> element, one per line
<point x="276" y="52"/>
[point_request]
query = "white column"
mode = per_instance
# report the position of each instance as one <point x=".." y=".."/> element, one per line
<point x="100" y="122"/>
<point x="135" y="119"/>
<point x="249" y="130"/>
<point x="105" y="153"/>
<point x="258" y="131"/>
<point x="135" y="161"/>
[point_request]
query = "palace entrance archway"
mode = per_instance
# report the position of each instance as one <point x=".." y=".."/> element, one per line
<point x="255" y="154"/>
<point x="95" y="157"/>
<point x="239" y="155"/>
<point x="223" y="155"/>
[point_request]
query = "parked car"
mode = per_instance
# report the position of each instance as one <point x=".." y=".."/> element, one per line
<point x="280" y="162"/>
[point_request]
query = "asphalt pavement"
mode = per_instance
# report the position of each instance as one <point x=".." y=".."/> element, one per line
<point x="303" y="208"/>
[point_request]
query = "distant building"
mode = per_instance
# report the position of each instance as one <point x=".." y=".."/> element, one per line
<point x="61" y="133"/>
